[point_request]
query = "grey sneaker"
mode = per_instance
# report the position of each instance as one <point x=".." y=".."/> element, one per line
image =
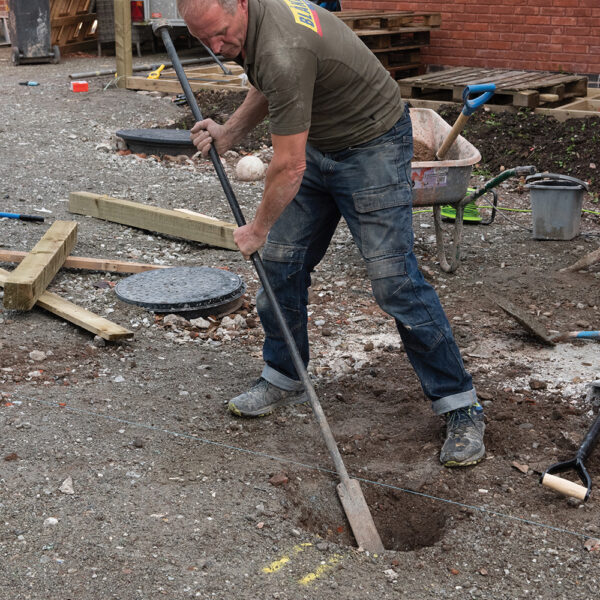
<point x="464" y="437"/>
<point x="263" y="398"/>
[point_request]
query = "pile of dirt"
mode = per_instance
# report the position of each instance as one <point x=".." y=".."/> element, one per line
<point x="504" y="139"/>
<point x="525" y="138"/>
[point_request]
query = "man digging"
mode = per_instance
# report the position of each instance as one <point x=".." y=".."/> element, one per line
<point x="342" y="146"/>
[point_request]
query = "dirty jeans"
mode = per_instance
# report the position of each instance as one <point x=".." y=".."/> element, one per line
<point x="370" y="186"/>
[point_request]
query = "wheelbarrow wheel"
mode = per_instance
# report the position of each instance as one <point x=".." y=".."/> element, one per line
<point x="15" y="56"/>
<point x="55" y="55"/>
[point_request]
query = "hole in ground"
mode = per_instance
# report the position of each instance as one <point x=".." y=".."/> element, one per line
<point x="404" y="521"/>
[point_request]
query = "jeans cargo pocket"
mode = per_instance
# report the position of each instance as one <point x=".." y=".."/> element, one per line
<point x="385" y="218"/>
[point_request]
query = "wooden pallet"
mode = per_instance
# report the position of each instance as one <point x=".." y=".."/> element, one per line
<point x="518" y="88"/>
<point x="73" y="26"/>
<point x="395" y="37"/>
<point x="375" y="20"/>
<point x="204" y="77"/>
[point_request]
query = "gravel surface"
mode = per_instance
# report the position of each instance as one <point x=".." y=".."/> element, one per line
<point x="123" y="476"/>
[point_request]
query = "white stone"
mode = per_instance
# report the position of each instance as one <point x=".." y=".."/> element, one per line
<point x="67" y="486"/>
<point x="37" y="355"/>
<point x="200" y="323"/>
<point x="250" y="168"/>
<point x="50" y="522"/>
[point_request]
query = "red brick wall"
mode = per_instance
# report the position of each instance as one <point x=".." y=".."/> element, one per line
<point x="3" y="5"/>
<point x="539" y="35"/>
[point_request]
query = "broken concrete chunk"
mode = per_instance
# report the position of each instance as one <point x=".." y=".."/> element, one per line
<point x="279" y="479"/>
<point x="200" y="323"/>
<point x="67" y="486"/>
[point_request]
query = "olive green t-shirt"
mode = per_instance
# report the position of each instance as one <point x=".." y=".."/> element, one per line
<point x="318" y="75"/>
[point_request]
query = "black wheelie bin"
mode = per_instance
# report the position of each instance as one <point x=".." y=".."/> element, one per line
<point x="29" y="28"/>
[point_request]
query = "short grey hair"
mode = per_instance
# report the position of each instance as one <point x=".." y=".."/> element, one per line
<point x="183" y="6"/>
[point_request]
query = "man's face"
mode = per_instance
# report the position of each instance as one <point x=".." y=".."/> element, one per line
<point x="221" y="31"/>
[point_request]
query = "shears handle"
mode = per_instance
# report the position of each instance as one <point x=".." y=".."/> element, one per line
<point x="485" y="91"/>
<point x="156" y="74"/>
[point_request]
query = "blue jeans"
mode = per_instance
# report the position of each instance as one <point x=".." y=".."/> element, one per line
<point x="370" y="186"/>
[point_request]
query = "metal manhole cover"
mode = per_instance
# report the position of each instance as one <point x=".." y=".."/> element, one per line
<point x="191" y="291"/>
<point x="158" y="141"/>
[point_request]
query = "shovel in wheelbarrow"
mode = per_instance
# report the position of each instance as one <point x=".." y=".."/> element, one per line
<point x="349" y="492"/>
<point x="485" y="91"/>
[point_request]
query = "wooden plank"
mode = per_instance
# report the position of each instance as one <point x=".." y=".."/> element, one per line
<point x="78" y="316"/>
<point x="123" y="54"/>
<point x="174" y="87"/>
<point x="152" y="218"/>
<point x="90" y="264"/>
<point x="31" y="278"/>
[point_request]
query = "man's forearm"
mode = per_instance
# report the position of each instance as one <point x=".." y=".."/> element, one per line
<point x="250" y="113"/>
<point x="281" y="186"/>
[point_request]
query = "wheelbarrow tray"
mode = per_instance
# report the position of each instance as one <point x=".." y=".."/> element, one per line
<point x="440" y="181"/>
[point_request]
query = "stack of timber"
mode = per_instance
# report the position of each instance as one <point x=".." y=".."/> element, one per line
<point x="395" y="37"/>
<point x="25" y="286"/>
<point x="73" y="25"/>
<point x="203" y="77"/>
<point x="529" y="89"/>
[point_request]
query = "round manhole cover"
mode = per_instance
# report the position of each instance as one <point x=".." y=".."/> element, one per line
<point x="191" y="291"/>
<point x="158" y="141"/>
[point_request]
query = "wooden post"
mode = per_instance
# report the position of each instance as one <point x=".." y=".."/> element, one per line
<point x="78" y="316"/>
<point x="30" y="279"/>
<point x="123" y="42"/>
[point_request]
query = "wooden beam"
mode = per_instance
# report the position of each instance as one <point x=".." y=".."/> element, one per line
<point x="123" y="55"/>
<point x="151" y="218"/>
<point x="170" y="86"/>
<point x="90" y="264"/>
<point x="31" y="278"/>
<point x="78" y="316"/>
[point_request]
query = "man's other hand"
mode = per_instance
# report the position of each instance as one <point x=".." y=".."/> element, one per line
<point x="247" y="240"/>
<point x="206" y="133"/>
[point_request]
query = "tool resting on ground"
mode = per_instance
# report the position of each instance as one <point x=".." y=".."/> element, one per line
<point x="564" y="486"/>
<point x="35" y="218"/>
<point x="349" y="491"/>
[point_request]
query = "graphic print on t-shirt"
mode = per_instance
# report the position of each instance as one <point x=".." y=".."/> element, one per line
<point x="305" y="15"/>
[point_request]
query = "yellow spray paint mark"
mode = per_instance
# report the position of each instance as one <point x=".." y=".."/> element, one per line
<point x="276" y="565"/>
<point x="321" y="570"/>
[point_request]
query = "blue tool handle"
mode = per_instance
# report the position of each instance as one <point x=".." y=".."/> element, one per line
<point x="22" y="217"/>
<point x="591" y="335"/>
<point x="486" y="91"/>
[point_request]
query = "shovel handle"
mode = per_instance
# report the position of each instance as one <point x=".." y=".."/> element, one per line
<point x="564" y="486"/>
<point x="454" y="132"/>
<point x="485" y="91"/>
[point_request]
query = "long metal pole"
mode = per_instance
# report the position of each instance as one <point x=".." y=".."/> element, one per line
<point x="258" y="265"/>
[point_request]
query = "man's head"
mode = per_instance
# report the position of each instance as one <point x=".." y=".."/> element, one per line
<point x="220" y="24"/>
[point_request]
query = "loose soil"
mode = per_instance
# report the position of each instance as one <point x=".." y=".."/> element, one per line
<point x="174" y="497"/>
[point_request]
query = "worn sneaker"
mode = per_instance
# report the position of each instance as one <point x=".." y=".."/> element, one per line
<point x="464" y="437"/>
<point x="263" y="398"/>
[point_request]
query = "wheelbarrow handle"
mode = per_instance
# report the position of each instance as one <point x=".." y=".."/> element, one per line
<point x="485" y="91"/>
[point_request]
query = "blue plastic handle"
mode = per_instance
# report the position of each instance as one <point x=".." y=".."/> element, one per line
<point x="486" y="91"/>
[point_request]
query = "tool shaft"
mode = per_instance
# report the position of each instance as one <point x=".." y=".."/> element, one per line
<point x="260" y="269"/>
<point x="35" y="218"/>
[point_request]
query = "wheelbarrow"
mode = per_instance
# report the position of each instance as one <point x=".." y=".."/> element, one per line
<point x="445" y="182"/>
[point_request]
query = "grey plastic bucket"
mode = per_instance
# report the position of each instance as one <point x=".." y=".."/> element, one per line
<point x="556" y="202"/>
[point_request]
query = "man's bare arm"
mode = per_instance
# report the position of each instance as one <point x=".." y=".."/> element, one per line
<point x="250" y="113"/>
<point x="282" y="183"/>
